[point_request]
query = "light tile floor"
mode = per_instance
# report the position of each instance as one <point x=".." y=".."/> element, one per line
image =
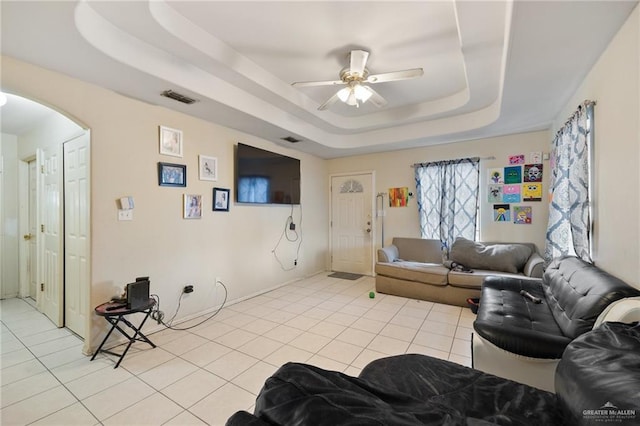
<point x="205" y="374"/>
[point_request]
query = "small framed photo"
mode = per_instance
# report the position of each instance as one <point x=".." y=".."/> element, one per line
<point x="220" y="199"/>
<point x="170" y="141"/>
<point x="172" y="174"/>
<point x="192" y="206"/>
<point x="208" y="168"/>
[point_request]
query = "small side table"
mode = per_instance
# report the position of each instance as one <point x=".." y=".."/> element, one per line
<point x="115" y="314"/>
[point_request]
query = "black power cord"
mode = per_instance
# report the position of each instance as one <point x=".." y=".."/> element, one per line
<point x="158" y="315"/>
<point x="291" y="234"/>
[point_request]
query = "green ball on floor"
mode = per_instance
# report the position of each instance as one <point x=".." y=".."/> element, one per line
<point x="371" y="295"/>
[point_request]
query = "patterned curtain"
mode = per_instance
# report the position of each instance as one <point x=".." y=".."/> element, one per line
<point x="569" y="230"/>
<point x="447" y="195"/>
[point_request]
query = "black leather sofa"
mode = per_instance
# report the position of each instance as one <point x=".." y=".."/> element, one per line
<point x="598" y="380"/>
<point x="523" y="326"/>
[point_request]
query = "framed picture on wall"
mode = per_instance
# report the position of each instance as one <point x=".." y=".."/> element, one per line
<point x="220" y="199"/>
<point x="192" y="206"/>
<point x="170" y="141"/>
<point x="172" y="174"/>
<point x="208" y="167"/>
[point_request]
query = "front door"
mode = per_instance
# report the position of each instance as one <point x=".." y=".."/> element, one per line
<point x="352" y="223"/>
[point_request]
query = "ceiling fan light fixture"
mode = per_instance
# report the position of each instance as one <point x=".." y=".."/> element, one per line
<point x="344" y="93"/>
<point x="353" y="76"/>
<point x="352" y="100"/>
<point x="361" y="93"/>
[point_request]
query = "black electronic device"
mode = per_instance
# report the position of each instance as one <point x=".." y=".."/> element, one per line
<point x="138" y="294"/>
<point x="265" y="177"/>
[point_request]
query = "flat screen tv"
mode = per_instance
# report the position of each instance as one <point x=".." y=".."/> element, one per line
<point x="264" y="177"/>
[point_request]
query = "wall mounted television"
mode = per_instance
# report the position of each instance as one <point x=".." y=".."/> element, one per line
<point x="265" y="177"/>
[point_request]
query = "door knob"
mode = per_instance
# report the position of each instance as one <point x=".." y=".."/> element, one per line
<point x="27" y="237"/>
<point x="368" y="229"/>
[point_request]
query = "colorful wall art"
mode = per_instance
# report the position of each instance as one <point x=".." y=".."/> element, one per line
<point x="532" y="173"/>
<point x="531" y="192"/>
<point x="513" y="174"/>
<point x="398" y="197"/>
<point x="496" y="175"/>
<point x="519" y="181"/>
<point x="511" y="193"/>
<point x="501" y="213"/>
<point x="522" y="215"/>
<point x="494" y="195"/>
<point x="516" y="159"/>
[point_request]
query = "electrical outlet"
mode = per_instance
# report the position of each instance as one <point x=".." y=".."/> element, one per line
<point x="125" y="214"/>
<point x="187" y="289"/>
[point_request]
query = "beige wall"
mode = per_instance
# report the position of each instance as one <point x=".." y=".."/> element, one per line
<point x="392" y="169"/>
<point x="235" y="246"/>
<point x="614" y="83"/>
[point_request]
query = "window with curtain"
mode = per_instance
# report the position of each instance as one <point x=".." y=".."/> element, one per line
<point x="569" y="229"/>
<point x="447" y="196"/>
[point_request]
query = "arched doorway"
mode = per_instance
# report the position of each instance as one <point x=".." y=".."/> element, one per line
<point x="46" y="194"/>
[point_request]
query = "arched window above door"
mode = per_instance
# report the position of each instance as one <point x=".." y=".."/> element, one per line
<point x="350" y="186"/>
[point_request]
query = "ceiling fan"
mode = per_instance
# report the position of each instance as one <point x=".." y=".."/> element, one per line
<point x="354" y="76"/>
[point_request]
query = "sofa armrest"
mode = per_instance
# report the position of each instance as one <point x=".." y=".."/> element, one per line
<point x="535" y="266"/>
<point x="388" y="254"/>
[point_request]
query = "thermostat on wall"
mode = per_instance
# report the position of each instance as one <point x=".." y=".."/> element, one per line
<point x="126" y="203"/>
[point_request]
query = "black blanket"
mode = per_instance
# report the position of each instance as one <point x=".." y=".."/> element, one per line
<point x="399" y="390"/>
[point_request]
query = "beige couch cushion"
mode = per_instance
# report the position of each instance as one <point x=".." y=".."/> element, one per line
<point x="418" y="249"/>
<point x="429" y="273"/>
<point x="495" y="257"/>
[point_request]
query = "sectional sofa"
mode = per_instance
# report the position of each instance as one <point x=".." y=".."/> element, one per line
<point x="524" y="326"/>
<point x="418" y="268"/>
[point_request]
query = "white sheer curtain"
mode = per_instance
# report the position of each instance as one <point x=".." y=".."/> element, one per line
<point x="569" y="229"/>
<point x="447" y="196"/>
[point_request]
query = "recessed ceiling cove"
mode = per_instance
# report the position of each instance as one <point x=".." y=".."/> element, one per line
<point x="485" y="64"/>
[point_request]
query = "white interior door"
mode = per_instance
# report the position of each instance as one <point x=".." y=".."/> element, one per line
<point x="76" y="233"/>
<point x="32" y="235"/>
<point x="50" y="209"/>
<point x="352" y="223"/>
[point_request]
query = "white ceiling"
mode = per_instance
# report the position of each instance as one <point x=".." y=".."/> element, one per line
<point x="490" y="67"/>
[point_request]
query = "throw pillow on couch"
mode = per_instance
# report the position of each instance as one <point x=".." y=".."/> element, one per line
<point x="494" y="257"/>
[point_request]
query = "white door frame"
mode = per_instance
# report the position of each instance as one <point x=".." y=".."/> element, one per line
<point x="23" y="220"/>
<point x="372" y="177"/>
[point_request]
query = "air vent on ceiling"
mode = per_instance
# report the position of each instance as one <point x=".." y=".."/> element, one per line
<point x="291" y="139"/>
<point x="178" y="97"/>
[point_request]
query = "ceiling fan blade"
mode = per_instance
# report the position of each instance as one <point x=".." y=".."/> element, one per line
<point x="376" y="99"/>
<point x="358" y="61"/>
<point x="395" y="76"/>
<point x="317" y="83"/>
<point x="332" y="100"/>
